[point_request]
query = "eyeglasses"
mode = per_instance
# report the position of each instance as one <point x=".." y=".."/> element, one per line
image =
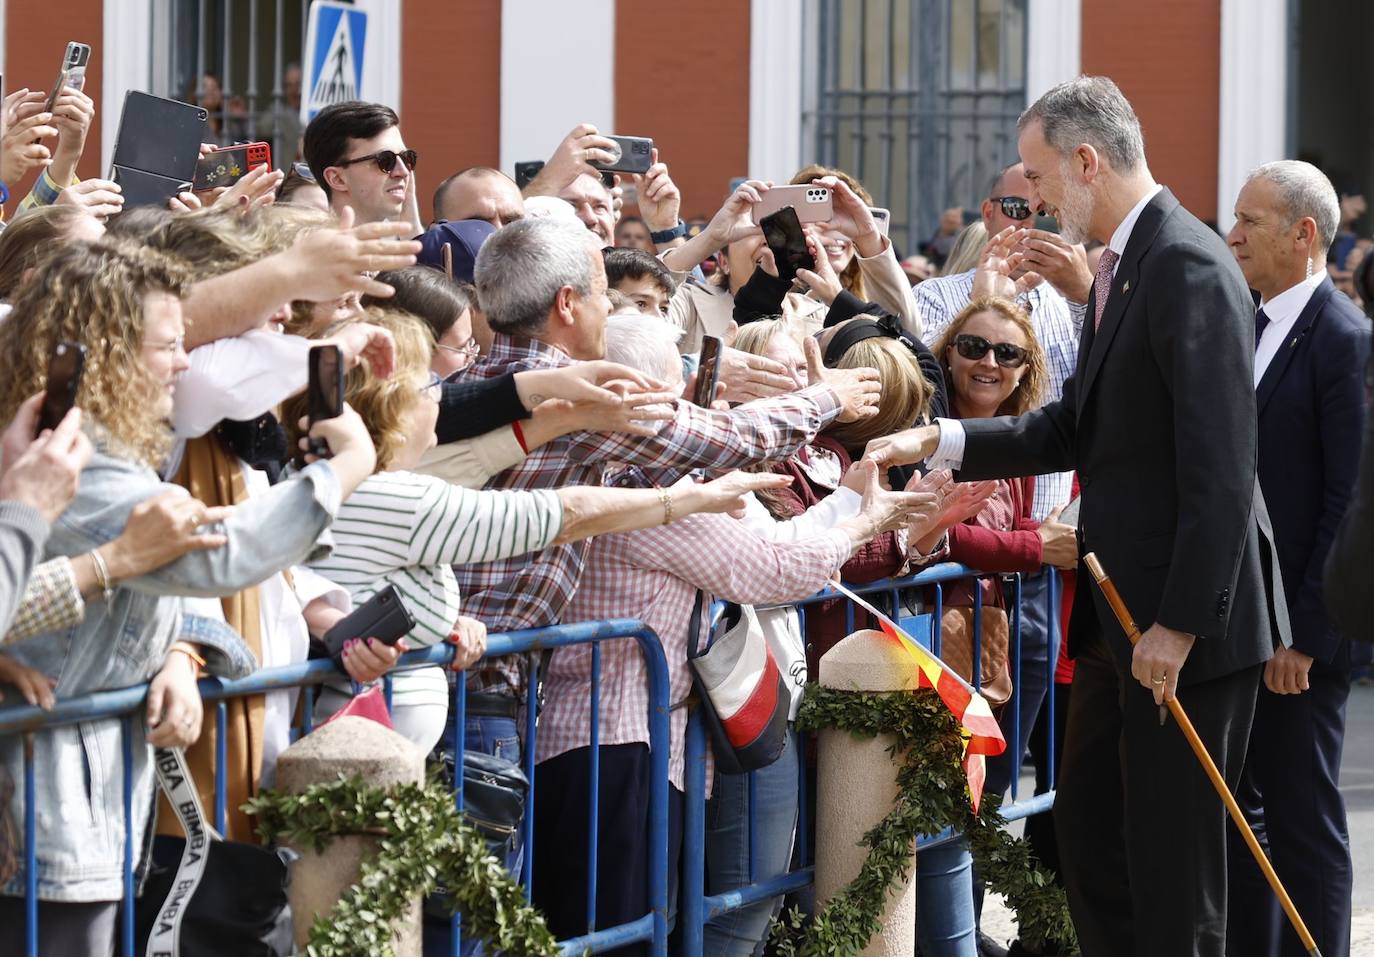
<point x="303" y="171"/>
<point x="385" y="159"/>
<point x="1013" y="207"/>
<point x="974" y="348"/>
<point x="435" y="380"/>
<point x="169" y="346"/>
<point x="466" y="353"/>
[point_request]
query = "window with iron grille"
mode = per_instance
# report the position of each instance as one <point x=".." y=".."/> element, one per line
<point x="917" y="98"/>
<point x="241" y="60"/>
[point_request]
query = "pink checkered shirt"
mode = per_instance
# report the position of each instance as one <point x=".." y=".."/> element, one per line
<point x="653" y="575"/>
<point x="532" y="591"/>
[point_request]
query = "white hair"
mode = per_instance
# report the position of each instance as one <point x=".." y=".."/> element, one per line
<point x="1303" y="190"/>
<point x="644" y="343"/>
<point x="550" y="207"/>
<point x="521" y="268"/>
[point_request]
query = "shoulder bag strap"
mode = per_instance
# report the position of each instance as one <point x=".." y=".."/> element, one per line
<point x="175" y="778"/>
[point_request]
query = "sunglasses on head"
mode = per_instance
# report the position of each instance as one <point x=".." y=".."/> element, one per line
<point x="974" y="348"/>
<point x="1014" y="207"/>
<point x="385" y="159"/>
<point x="302" y="170"/>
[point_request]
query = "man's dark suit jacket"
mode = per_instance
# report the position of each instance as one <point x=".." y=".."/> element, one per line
<point x="1311" y="417"/>
<point x="1159" y="421"/>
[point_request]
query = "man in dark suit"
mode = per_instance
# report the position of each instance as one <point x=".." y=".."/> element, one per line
<point x="1311" y="344"/>
<point x="1159" y="421"/>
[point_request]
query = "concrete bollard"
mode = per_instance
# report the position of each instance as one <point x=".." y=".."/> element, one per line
<point x="381" y="757"/>
<point x="856" y="786"/>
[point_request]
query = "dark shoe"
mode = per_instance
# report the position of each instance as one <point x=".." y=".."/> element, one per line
<point x="987" y="947"/>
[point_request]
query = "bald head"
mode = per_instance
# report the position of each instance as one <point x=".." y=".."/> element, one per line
<point x="479" y="192"/>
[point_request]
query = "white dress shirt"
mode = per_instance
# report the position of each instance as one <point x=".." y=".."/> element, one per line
<point x="949" y="454"/>
<point x="1283" y="310"/>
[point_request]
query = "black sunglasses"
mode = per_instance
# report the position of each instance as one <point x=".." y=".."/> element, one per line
<point x="1014" y="207"/>
<point x="974" y="348"/>
<point x="385" y="159"/>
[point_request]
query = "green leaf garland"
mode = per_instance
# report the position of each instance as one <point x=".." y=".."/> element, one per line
<point x="933" y="795"/>
<point x="423" y="840"/>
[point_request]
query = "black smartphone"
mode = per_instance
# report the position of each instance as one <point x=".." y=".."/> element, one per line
<point x="225" y="167"/>
<point x="325" y="392"/>
<point x="72" y="72"/>
<point x="64" y="381"/>
<point x="157" y="148"/>
<point x="633" y="154"/>
<point x="526" y="172"/>
<point x="708" y="371"/>
<point x="383" y="616"/>
<point x="782" y="231"/>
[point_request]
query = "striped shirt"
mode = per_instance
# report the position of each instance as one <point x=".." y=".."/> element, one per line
<point x="1057" y="324"/>
<point x="406" y="529"/>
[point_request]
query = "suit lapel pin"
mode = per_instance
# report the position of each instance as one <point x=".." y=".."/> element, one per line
<point x="1126" y="287"/>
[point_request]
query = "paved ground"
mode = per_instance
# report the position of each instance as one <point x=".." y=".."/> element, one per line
<point x="1357" y="782"/>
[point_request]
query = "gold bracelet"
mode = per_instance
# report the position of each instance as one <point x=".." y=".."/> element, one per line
<point x="667" y="499"/>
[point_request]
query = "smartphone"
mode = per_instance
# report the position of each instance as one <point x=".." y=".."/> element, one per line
<point x="812" y="203"/>
<point x="226" y="166"/>
<point x="73" y="71"/>
<point x="65" y="364"/>
<point x="526" y="172"/>
<point x="782" y="231"/>
<point x="325" y="392"/>
<point x="632" y="154"/>
<point x="383" y="616"/>
<point x="882" y="218"/>
<point x="708" y="371"/>
<point x="156" y="148"/>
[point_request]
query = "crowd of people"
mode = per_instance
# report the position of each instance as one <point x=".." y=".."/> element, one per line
<point x="519" y="448"/>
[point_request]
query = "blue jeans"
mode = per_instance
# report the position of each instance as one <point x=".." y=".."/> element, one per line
<point x="740" y="933"/>
<point x="945" y="925"/>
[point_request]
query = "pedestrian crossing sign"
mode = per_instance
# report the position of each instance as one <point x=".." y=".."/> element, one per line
<point x="336" y="44"/>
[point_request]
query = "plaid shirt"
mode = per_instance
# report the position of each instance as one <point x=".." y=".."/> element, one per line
<point x="52" y="602"/>
<point x="1057" y="324"/>
<point x="654" y="575"/>
<point x="532" y="591"/>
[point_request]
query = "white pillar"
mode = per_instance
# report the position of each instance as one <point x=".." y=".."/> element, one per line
<point x="775" y="89"/>
<point x="1254" y="94"/>
<point x="856" y="787"/>
<point x="1053" y="44"/>
<point x="126" y="60"/>
<point x="557" y="70"/>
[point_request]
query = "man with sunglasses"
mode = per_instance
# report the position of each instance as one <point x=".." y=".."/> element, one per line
<point x="360" y="159"/>
<point x="1057" y="323"/>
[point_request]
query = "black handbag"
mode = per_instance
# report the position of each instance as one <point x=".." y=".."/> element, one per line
<point x="494" y="794"/>
<point x="220" y="897"/>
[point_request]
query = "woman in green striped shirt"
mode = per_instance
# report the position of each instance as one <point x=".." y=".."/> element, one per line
<point x="405" y="529"/>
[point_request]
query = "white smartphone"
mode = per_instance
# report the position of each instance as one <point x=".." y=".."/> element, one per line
<point x="73" y="72"/>
<point x="882" y="217"/>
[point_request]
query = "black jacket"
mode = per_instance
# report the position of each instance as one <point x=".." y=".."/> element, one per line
<point x="1159" y="421"/>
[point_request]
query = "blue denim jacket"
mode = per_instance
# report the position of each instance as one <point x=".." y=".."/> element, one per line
<point x="78" y="768"/>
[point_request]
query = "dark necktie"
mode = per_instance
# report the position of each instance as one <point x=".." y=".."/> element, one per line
<point x="1102" y="284"/>
<point x="1261" y="323"/>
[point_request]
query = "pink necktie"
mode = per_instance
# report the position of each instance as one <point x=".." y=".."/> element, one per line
<point x="1102" y="285"/>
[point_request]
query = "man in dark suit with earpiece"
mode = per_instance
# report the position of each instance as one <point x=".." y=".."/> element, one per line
<point x="1311" y="346"/>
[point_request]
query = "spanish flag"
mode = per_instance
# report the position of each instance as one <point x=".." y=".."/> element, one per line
<point x="982" y="735"/>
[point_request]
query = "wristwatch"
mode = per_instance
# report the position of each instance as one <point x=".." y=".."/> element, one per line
<point x="668" y="235"/>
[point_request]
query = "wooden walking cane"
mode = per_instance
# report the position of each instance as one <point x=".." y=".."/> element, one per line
<point x="1123" y="615"/>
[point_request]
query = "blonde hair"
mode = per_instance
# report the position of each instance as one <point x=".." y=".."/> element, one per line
<point x="383" y="404"/>
<point x="967" y="249"/>
<point x="851" y="277"/>
<point x="754" y="337"/>
<point x="906" y="392"/>
<point x="31" y="237"/>
<point x="93" y="294"/>
<point x="1031" y="389"/>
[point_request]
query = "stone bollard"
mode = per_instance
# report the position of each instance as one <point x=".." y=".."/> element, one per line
<point x="381" y="757"/>
<point x="856" y="786"/>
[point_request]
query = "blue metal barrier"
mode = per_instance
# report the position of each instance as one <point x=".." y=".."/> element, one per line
<point x="697" y="908"/>
<point x="123" y="705"/>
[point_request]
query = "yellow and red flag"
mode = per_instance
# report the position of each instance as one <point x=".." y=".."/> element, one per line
<point x="982" y="734"/>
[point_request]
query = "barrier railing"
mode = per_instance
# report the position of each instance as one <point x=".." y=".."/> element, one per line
<point x="697" y="908"/>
